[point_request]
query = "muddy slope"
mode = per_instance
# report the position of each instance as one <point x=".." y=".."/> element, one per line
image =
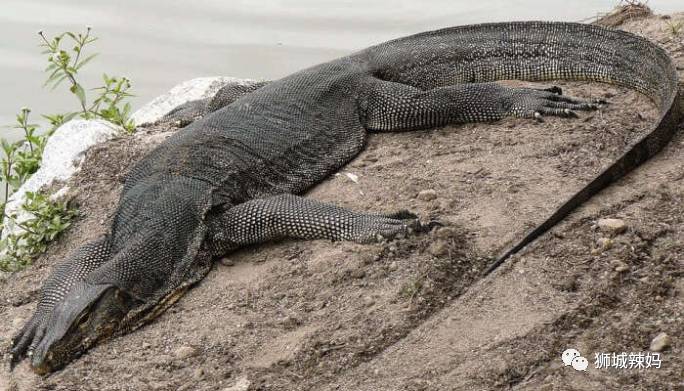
<point x="412" y="314"/>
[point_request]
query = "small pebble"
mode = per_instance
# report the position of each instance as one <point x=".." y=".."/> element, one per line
<point x="621" y="269"/>
<point x="660" y="342"/>
<point x="568" y="284"/>
<point x="393" y="266"/>
<point x="558" y="235"/>
<point x="161" y="360"/>
<point x="612" y="226"/>
<point x="289" y="321"/>
<point x="226" y="262"/>
<point x="446" y="233"/>
<point x="427" y="195"/>
<point x="371" y="158"/>
<point x="604" y="243"/>
<point x="186" y="386"/>
<point x="241" y="384"/>
<point x="620" y="266"/>
<point x="438" y="248"/>
<point x="353" y="177"/>
<point x="158" y="385"/>
<point x="184" y="352"/>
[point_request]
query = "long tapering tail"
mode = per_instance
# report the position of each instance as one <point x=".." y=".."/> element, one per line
<point x="537" y="51"/>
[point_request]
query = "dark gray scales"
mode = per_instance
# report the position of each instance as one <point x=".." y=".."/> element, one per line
<point x="230" y="177"/>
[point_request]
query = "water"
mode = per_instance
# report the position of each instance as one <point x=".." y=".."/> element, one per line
<point x="158" y="43"/>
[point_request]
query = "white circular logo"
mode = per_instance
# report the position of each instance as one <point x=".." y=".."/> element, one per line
<point x="580" y="363"/>
<point x="569" y="355"/>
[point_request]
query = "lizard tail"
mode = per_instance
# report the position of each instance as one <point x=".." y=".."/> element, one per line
<point x="538" y="51"/>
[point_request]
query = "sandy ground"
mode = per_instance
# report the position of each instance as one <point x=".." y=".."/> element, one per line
<point x="413" y="314"/>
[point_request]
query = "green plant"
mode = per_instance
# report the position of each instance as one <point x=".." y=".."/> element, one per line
<point x="30" y="149"/>
<point x="65" y="65"/>
<point x="49" y="219"/>
<point x="23" y="157"/>
<point x="411" y="288"/>
<point x="674" y="28"/>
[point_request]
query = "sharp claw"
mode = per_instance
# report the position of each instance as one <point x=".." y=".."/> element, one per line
<point x="403" y="215"/>
<point x="555" y="90"/>
<point x="433" y="224"/>
<point x="427" y="227"/>
<point x="15" y="358"/>
<point x="570" y="113"/>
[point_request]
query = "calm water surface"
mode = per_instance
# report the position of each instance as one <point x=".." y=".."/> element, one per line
<point x="158" y="43"/>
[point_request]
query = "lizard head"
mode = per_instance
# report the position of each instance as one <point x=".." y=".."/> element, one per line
<point x="94" y="315"/>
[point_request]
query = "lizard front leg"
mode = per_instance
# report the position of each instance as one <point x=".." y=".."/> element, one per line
<point x="50" y="317"/>
<point x="290" y="216"/>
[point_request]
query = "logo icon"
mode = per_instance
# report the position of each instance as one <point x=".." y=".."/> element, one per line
<point x="574" y="358"/>
<point x="580" y="363"/>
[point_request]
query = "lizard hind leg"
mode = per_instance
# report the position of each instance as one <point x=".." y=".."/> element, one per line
<point x="391" y="106"/>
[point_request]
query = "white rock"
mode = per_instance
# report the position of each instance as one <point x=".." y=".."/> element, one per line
<point x="353" y="177"/>
<point x="62" y="157"/>
<point x="605" y="243"/>
<point x="199" y="88"/>
<point x="427" y="195"/>
<point x="612" y="226"/>
<point x="660" y="342"/>
<point x="185" y="352"/>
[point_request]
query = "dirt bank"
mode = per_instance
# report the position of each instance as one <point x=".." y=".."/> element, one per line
<point x="412" y="314"/>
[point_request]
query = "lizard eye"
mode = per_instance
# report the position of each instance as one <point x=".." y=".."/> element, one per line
<point x="82" y="318"/>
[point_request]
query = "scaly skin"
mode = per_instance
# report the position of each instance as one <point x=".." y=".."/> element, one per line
<point x="227" y="179"/>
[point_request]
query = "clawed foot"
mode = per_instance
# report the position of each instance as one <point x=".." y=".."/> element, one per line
<point x="51" y="339"/>
<point x="389" y="226"/>
<point x="28" y="338"/>
<point x="537" y="103"/>
<point x="59" y="330"/>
